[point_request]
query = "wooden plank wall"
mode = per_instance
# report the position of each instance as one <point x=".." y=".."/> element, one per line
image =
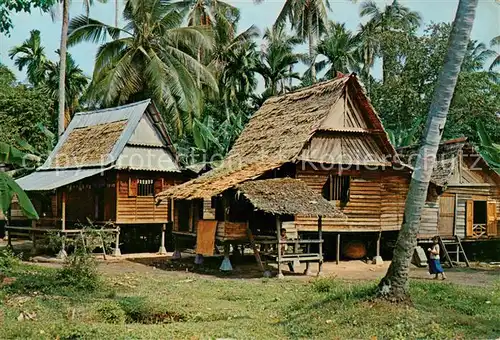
<point x="376" y="200"/>
<point x="140" y="209"/>
<point x="429" y="222"/>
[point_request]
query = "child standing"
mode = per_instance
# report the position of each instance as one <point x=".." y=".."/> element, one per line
<point x="284" y="247"/>
<point x="435" y="263"/>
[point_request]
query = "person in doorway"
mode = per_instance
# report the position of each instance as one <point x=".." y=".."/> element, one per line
<point x="435" y="262"/>
<point x="284" y="247"/>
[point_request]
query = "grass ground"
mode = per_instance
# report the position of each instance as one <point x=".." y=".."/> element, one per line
<point x="158" y="304"/>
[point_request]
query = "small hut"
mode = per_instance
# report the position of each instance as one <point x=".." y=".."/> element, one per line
<point x="464" y="195"/>
<point x="107" y="167"/>
<point x="329" y="137"/>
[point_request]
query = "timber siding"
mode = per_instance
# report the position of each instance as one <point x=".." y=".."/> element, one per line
<point x="376" y="200"/>
<point x="141" y="209"/>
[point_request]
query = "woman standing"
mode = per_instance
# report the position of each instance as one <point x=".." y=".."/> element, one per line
<point x="435" y="263"/>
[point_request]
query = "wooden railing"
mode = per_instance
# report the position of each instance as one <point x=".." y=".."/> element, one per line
<point x="479" y="230"/>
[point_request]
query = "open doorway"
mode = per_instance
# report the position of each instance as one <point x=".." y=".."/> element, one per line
<point x="480" y="212"/>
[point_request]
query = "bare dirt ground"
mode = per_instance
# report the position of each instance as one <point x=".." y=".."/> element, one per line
<point x="346" y="270"/>
<point x="247" y="269"/>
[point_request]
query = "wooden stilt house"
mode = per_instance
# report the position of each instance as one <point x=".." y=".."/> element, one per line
<point x="464" y="195"/>
<point x="327" y="136"/>
<point x="107" y="167"/>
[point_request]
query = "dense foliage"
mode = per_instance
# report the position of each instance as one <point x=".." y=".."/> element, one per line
<point x="202" y="70"/>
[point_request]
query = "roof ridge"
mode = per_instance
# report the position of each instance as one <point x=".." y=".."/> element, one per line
<point x="115" y="108"/>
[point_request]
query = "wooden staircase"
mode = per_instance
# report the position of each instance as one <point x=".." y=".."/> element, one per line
<point x="456" y="252"/>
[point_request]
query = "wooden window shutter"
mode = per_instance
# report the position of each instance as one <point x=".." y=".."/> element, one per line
<point x="132" y="187"/>
<point x="469" y="221"/>
<point x="158" y="185"/>
<point x="492" y="219"/>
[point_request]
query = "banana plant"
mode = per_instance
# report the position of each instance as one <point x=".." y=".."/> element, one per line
<point x="8" y="186"/>
<point x="404" y="137"/>
<point x="489" y="151"/>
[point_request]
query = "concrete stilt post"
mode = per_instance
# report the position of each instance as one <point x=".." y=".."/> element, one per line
<point x="163" y="250"/>
<point x="117" y="251"/>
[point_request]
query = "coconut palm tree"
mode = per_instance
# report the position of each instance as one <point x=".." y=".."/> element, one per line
<point x="277" y="59"/>
<point x="30" y="54"/>
<point x="232" y="59"/>
<point x="394" y="18"/>
<point x="493" y="43"/>
<point x="308" y="19"/>
<point x="151" y="56"/>
<point x="476" y="57"/>
<point x="394" y="285"/>
<point x="75" y="85"/>
<point x="339" y="47"/>
<point x="368" y="49"/>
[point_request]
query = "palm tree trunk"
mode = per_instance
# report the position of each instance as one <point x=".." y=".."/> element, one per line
<point x="311" y="48"/>
<point x="62" y="65"/>
<point x="117" y="9"/>
<point x="394" y="286"/>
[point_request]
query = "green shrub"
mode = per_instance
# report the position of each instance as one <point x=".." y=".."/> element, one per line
<point x="111" y="312"/>
<point x="8" y="260"/>
<point x="79" y="272"/>
<point x="324" y="285"/>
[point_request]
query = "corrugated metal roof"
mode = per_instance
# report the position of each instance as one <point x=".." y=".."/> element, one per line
<point x="132" y="113"/>
<point x="146" y="158"/>
<point x="52" y="179"/>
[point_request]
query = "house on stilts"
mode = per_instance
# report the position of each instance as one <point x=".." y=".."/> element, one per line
<point x="464" y="195"/>
<point x="326" y="139"/>
<point x="106" y="168"/>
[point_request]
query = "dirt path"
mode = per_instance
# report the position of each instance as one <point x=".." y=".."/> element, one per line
<point x="349" y="270"/>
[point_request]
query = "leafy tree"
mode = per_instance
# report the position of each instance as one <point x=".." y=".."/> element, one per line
<point x="394" y="286"/>
<point x="7" y="78"/>
<point x="31" y="54"/>
<point x="308" y="20"/>
<point x="403" y="98"/>
<point x="277" y="59"/>
<point x="154" y="58"/>
<point x="8" y="7"/>
<point x="21" y="109"/>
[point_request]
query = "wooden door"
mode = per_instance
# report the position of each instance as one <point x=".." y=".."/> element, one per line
<point x="492" y="219"/>
<point x="446" y="215"/>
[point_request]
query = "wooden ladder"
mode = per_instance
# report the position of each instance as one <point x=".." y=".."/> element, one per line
<point x="459" y="250"/>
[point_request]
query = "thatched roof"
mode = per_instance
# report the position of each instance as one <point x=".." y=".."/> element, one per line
<point x="89" y="145"/>
<point x="277" y="134"/>
<point x="288" y="196"/>
<point x="446" y="161"/>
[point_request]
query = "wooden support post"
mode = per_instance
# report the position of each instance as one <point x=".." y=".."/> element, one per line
<point x="177" y="254"/>
<point x="320" y="236"/>
<point x="163" y="250"/>
<point x="33" y="237"/>
<point x="378" y="243"/>
<point x="117" y="251"/>
<point x="278" y="243"/>
<point x="378" y="258"/>
<point x="337" y="258"/>
<point x="62" y="254"/>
